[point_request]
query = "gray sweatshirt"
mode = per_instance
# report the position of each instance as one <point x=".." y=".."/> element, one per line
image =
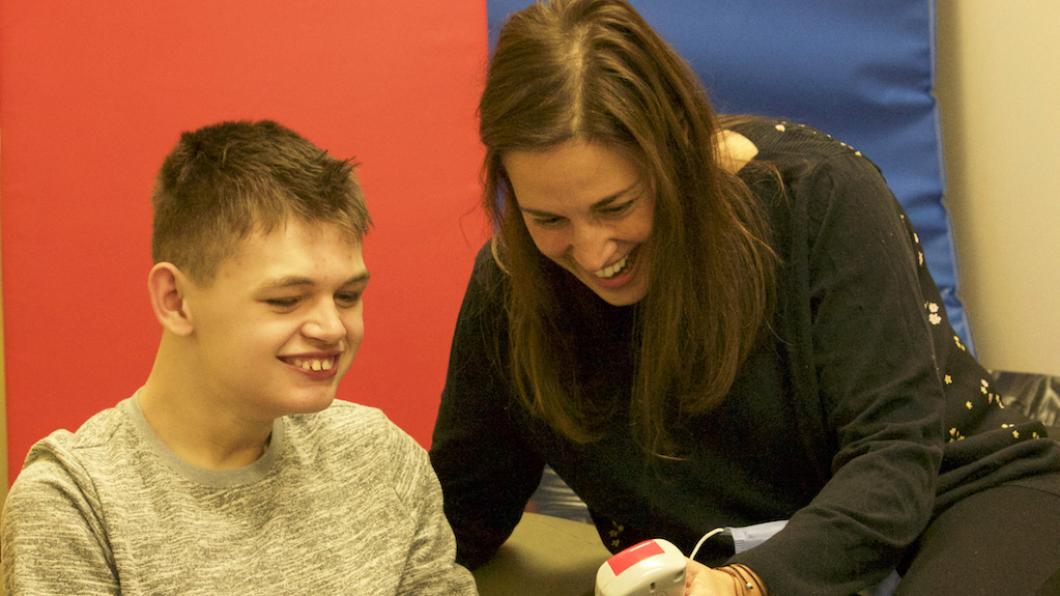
<point x="342" y="502"/>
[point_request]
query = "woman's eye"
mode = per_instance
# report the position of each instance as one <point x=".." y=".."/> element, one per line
<point x="616" y="209"/>
<point x="548" y="222"/>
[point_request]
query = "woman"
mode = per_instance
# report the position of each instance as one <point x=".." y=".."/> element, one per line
<point x="703" y="323"/>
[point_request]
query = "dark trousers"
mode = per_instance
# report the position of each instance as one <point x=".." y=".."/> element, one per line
<point x="1001" y="541"/>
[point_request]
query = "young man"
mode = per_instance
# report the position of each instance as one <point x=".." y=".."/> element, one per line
<point x="232" y="469"/>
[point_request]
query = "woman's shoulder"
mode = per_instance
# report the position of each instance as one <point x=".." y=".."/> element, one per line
<point x="798" y="152"/>
<point x="489" y="262"/>
<point x="814" y="168"/>
<point x="489" y="281"/>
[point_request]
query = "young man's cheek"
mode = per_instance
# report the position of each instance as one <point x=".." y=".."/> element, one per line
<point x="276" y="333"/>
<point x="354" y="324"/>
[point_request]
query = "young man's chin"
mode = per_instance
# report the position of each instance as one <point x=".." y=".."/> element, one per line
<point x="307" y="402"/>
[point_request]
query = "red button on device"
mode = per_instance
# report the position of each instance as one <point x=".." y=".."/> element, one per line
<point x="633" y="555"/>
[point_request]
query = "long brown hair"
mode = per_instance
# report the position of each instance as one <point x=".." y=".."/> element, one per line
<point x="594" y="70"/>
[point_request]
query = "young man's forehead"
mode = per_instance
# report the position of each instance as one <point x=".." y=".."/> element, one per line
<point x="285" y="253"/>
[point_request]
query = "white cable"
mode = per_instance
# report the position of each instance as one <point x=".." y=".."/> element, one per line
<point x="713" y="532"/>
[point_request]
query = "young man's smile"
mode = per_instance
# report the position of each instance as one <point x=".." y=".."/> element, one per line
<point x="315" y="366"/>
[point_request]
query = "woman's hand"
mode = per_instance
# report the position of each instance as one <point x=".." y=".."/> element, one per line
<point x="701" y="580"/>
<point x="730" y="580"/>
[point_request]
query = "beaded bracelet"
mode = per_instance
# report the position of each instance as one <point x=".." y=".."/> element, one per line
<point x="744" y="580"/>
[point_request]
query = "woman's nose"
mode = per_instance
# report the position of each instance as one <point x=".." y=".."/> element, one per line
<point x="592" y="246"/>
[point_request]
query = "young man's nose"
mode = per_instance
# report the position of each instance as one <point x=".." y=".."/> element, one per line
<point x="325" y="324"/>
<point x="592" y="247"/>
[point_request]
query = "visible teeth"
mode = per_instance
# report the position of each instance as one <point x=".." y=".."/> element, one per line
<point x="315" y="364"/>
<point x="613" y="269"/>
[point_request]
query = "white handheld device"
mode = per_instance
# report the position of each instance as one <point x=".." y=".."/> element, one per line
<point x="651" y="568"/>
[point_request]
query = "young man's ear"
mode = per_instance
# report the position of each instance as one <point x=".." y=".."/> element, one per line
<point x="166" y="285"/>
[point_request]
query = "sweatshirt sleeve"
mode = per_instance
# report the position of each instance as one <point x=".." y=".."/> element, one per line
<point x="54" y="541"/>
<point x="486" y="468"/>
<point x="876" y="379"/>
<point x="430" y="567"/>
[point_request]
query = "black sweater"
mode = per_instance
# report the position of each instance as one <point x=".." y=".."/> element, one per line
<point x="857" y="417"/>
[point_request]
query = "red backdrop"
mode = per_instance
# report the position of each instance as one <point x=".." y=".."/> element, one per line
<point x="94" y="95"/>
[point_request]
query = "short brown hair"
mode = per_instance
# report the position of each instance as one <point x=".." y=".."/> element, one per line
<point x="225" y="180"/>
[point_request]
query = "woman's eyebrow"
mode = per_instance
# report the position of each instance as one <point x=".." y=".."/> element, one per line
<point x="616" y="196"/>
<point x="611" y="198"/>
